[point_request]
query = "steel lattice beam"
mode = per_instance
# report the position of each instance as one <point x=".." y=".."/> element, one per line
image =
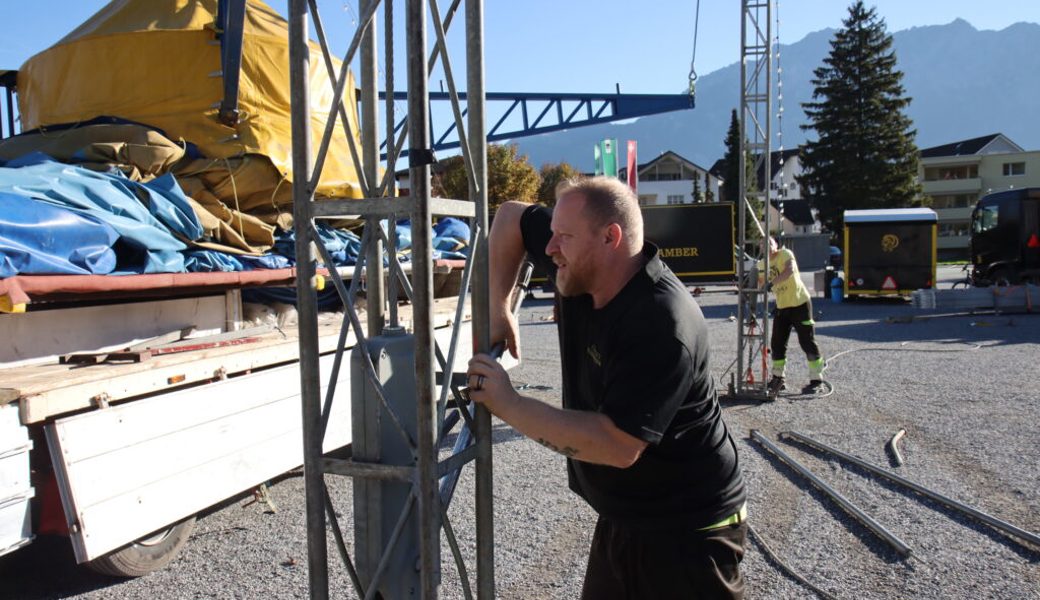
<point x="526" y="114"/>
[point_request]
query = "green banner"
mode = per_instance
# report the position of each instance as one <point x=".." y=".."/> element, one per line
<point x="606" y="158"/>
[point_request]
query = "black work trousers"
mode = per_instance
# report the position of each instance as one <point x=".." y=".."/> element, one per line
<point x="626" y="563"/>
<point x="801" y="319"/>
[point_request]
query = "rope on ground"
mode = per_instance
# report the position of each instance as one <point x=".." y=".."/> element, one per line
<point x="786" y="568"/>
<point x="902" y="348"/>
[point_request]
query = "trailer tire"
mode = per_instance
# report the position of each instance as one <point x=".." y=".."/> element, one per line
<point x="147" y="554"/>
<point x="1003" y="276"/>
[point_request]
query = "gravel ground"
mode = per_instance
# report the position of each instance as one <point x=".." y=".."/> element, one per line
<point x="965" y="389"/>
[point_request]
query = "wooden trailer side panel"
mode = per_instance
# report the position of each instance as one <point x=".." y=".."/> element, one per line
<point x="131" y="469"/>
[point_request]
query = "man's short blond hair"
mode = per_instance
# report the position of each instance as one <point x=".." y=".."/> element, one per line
<point x="608" y="200"/>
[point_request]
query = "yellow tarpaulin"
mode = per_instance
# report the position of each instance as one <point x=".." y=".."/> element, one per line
<point x="157" y="62"/>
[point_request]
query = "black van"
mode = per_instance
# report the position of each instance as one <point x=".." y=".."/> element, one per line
<point x="1005" y="238"/>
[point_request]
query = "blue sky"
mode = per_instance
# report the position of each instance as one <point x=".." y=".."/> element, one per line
<point x="575" y="45"/>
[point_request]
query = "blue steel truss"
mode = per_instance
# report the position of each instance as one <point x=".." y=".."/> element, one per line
<point x="538" y="113"/>
<point x="231" y="16"/>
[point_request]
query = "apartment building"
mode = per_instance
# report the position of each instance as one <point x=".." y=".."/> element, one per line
<point x="954" y="176"/>
<point x="669" y="179"/>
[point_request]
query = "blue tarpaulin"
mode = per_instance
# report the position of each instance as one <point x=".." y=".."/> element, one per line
<point x="450" y="241"/>
<point x="39" y="238"/>
<point x="452" y="227"/>
<point x="145" y="215"/>
<point x="205" y="261"/>
<point x="57" y="218"/>
<point x="344" y="246"/>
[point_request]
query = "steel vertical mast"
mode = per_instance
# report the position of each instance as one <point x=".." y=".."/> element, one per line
<point x="756" y="96"/>
<point x="415" y="420"/>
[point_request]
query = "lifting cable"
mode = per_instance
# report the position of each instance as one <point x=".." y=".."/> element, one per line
<point x="785" y="567"/>
<point x="693" y="56"/>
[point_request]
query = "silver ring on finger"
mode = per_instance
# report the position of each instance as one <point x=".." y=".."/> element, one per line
<point x="480" y="383"/>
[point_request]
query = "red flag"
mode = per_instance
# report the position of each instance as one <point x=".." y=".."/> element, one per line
<point x="633" y="167"/>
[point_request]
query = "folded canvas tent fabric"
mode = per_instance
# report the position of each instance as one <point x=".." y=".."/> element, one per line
<point x="240" y="201"/>
<point x="155" y="62"/>
<point x="251" y="184"/>
<point x="140" y="152"/>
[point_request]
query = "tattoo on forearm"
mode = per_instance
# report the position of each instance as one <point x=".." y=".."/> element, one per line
<point x="566" y="450"/>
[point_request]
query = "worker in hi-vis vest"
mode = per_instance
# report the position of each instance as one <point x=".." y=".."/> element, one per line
<point x="793" y="309"/>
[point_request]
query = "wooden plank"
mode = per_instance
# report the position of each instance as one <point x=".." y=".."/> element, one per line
<point x="184" y="467"/>
<point x="47" y="391"/>
<point x="157" y="375"/>
<point x="12" y="433"/>
<point x="14" y="454"/>
<point x="140" y="463"/>
<point x="15" y="523"/>
<point x="119" y="520"/>
<point x="41" y="336"/>
<point x="137" y="423"/>
<point x="42" y="378"/>
<point x="131" y="469"/>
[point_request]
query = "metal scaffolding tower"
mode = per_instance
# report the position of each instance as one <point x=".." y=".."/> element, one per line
<point x="756" y="96"/>
<point x="393" y="416"/>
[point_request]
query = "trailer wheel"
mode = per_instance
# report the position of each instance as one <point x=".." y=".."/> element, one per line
<point x="1003" y="276"/>
<point x="146" y="554"/>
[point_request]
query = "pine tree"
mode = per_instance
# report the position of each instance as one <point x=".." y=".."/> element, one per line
<point x="730" y="189"/>
<point x="731" y="161"/>
<point x="698" y="197"/>
<point x="709" y="196"/>
<point x="865" y="155"/>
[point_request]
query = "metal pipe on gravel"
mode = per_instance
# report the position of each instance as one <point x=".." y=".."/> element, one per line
<point x="897" y="544"/>
<point x="920" y="489"/>
<point x="893" y="445"/>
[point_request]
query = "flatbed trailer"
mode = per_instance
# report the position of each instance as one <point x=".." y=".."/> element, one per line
<point x="120" y="455"/>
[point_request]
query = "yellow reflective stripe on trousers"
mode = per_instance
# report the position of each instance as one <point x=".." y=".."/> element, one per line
<point x="738" y="517"/>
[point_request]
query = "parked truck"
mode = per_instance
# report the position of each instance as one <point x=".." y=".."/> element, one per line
<point x="1005" y="238"/>
<point x="697" y="241"/>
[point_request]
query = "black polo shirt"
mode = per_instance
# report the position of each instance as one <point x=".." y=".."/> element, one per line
<point x="643" y="360"/>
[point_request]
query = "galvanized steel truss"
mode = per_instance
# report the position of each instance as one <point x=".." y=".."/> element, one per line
<point x="426" y="498"/>
<point x="756" y="95"/>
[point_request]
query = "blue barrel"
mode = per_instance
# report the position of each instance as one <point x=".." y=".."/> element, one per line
<point x="837" y="289"/>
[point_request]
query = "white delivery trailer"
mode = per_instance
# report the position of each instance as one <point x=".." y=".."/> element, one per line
<point x="124" y="414"/>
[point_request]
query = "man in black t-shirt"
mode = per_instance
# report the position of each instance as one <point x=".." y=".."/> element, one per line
<point x="640" y="426"/>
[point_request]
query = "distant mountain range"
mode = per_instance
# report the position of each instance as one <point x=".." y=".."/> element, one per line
<point x="964" y="83"/>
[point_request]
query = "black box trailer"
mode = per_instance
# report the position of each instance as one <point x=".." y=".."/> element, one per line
<point x="889" y="251"/>
<point x="697" y="241"/>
